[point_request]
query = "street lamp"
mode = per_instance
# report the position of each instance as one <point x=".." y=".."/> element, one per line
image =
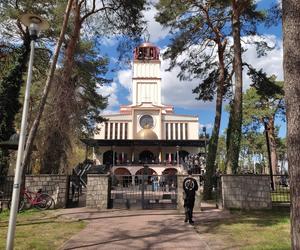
<point x="204" y="131"/>
<point x="35" y="24"/>
<point x="177" y="152"/>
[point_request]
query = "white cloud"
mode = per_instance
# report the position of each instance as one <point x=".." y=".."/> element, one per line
<point x="155" y="30"/>
<point x="176" y="92"/>
<point x="110" y="91"/>
<point x="271" y="63"/>
<point x="125" y="79"/>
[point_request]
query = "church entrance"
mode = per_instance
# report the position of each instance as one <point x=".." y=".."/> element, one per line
<point x="146" y="157"/>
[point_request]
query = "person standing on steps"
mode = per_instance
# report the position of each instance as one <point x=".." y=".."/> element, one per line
<point x="190" y="186"/>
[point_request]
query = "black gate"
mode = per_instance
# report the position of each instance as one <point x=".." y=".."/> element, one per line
<point x="143" y="191"/>
<point x="74" y="191"/>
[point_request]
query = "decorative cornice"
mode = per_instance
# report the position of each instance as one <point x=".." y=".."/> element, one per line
<point x="147" y="61"/>
<point x="146" y="78"/>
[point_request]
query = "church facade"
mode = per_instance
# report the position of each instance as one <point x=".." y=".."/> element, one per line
<point x="146" y="131"/>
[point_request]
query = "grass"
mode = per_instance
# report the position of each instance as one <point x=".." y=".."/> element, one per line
<point x="252" y="230"/>
<point x="39" y="230"/>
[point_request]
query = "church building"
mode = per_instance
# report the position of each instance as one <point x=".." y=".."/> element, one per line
<point x="146" y="132"/>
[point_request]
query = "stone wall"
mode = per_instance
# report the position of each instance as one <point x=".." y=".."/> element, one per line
<point x="54" y="185"/>
<point x="180" y="207"/>
<point x="246" y="191"/>
<point x="97" y="191"/>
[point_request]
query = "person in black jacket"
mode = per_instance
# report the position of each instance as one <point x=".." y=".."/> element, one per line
<point x="190" y="186"/>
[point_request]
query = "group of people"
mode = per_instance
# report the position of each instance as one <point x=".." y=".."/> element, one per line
<point x="194" y="162"/>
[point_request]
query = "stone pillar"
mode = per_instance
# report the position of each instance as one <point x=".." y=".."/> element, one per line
<point x="98" y="191"/>
<point x="180" y="179"/>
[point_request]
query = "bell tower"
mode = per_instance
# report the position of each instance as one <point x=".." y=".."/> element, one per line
<point x="146" y="79"/>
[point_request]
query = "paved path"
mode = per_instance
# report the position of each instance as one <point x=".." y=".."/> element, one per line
<point x="137" y="229"/>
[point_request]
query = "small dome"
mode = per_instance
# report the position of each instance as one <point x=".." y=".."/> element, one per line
<point x="147" y="44"/>
<point x="146" y="134"/>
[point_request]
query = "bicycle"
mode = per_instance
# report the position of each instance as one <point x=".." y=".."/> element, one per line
<point x="39" y="200"/>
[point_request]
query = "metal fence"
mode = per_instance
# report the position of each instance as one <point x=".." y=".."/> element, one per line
<point x="6" y="187"/>
<point x="143" y="191"/>
<point x="74" y="191"/>
<point x="281" y="192"/>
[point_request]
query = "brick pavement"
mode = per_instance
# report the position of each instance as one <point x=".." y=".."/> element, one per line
<point x="137" y="229"/>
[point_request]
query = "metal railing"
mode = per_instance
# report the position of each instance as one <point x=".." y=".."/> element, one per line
<point x="281" y="192"/>
<point x="143" y="191"/>
<point x="6" y="187"/>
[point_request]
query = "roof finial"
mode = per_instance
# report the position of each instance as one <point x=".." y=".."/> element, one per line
<point x="147" y="36"/>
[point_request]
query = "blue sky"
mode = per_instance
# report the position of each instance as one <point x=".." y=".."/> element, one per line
<point x="179" y="93"/>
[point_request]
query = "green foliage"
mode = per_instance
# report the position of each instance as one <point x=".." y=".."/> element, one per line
<point x="82" y="108"/>
<point x="89" y="69"/>
<point x="10" y="86"/>
<point x="245" y="18"/>
<point x="198" y="47"/>
<point x="13" y="60"/>
<point x="262" y="103"/>
<point x="193" y="29"/>
<point x="221" y="154"/>
<point x="264" y="100"/>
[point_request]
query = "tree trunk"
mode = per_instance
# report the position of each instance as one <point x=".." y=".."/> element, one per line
<point x="58" y="143"/>
<point x="291" y="63"/>
<point x="273" y="145"/>
<point x="213" y="142"/>
<point x="36" y="122"/>
<point x="235" y="119"/>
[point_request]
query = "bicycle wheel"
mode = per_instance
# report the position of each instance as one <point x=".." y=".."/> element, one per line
<point x="21" y="204"/>
<point x="44" y="202"/>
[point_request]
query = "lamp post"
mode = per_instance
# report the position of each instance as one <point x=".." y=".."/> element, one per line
<point x="35" y="24"/>
<point x="177" y="152"/>
<point x="204" y="131"/>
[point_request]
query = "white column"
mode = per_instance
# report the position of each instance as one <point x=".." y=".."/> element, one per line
<point x="123" y="132"/>
<point x="183" y="132"/>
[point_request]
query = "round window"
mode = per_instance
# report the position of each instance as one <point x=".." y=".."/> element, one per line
<point x="146" y="121"/>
